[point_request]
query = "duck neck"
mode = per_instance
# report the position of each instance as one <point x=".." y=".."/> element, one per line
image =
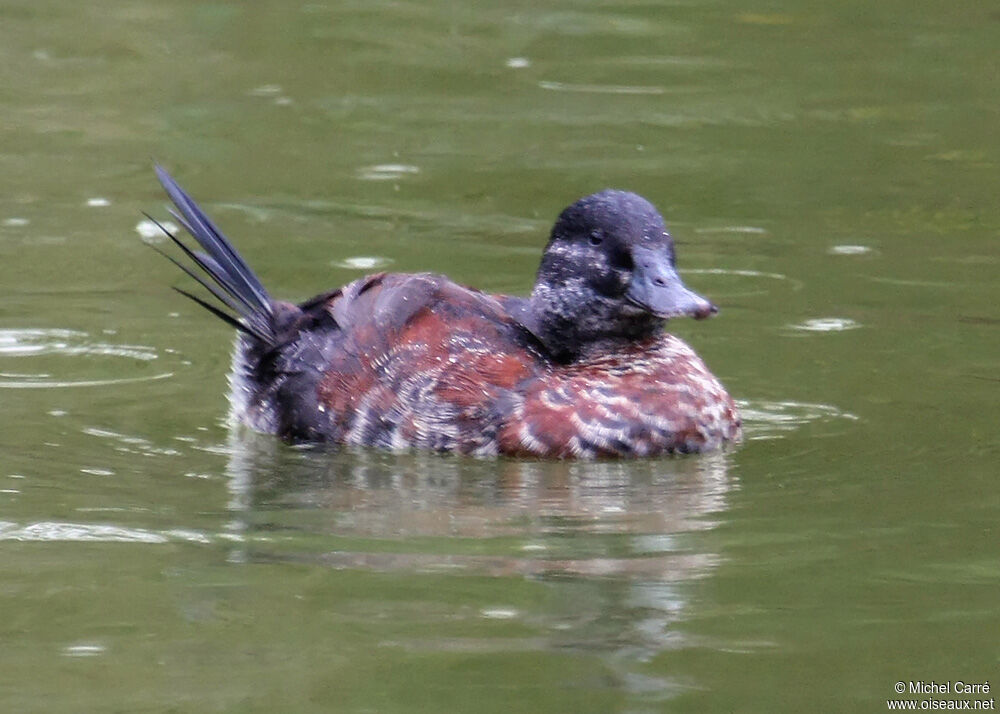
<point x="574" y="323"/>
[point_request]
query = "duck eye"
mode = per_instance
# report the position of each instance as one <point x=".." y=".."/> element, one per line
<point x="596" y="238"/>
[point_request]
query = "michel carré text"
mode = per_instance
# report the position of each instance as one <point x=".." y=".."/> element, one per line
<point x="948" y="688"/>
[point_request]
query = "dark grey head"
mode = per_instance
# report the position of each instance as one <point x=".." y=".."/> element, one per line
<point x="608" y="275"/>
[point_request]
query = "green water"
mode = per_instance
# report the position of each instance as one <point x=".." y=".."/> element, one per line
<point x="830" y="171"/>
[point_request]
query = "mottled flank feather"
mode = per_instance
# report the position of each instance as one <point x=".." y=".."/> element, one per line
<point x="656" y="397"/>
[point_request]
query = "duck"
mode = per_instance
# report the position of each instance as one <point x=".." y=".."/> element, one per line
<point x="582" y="368"/>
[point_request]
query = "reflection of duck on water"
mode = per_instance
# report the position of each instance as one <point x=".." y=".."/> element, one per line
<point x="581" y="368"/>
<point x="599" y="558"/>
<point x="517" y="512"/>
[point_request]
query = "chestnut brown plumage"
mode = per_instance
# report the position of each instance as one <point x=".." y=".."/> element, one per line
<point x="581" y="368"/>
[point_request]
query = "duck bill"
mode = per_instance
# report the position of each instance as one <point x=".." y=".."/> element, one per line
<point x="657" y="288"/>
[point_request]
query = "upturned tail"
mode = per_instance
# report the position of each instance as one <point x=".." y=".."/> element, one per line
<point x="243" y="301"/>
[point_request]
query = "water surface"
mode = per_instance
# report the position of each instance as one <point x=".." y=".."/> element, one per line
<point x="830" y="174"/>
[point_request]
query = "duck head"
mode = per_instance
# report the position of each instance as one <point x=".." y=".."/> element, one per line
<point x="608" y="275"/>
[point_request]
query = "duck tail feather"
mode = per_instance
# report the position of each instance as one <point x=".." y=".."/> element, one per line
<point x="232" y="282"/>
<point x="225" y="317"/>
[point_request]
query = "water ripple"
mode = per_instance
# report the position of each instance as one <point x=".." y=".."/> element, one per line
<point x="741" y="273"/>
<point x="792" y="282"/>
<point x="771" y="419"/>
<point x="754" y="230"/>
<point x="53" y="384"/>
<point x="19" y="343"/>
<point x="849" y="250"/>
<point x="387" y="172"/>
<point x="131" y="444"/>
<point x="60" y="531"/>
<point x="600" y="88"/>
<point x="150" y="231"/>
<point x="84" y="650"/>
<point x="38" y="341"/>
<point x="362" y="262"/>
<point x="77" y="532"/>
<point x="826" y="324"/>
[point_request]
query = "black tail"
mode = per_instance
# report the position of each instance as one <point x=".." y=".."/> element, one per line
<point x="235" y="285"/>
